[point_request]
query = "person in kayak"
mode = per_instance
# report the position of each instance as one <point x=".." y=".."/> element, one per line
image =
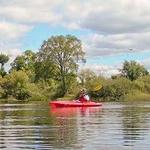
<point x="83" y="97"/>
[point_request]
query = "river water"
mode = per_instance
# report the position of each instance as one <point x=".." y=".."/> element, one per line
<point x="114" y="126"/>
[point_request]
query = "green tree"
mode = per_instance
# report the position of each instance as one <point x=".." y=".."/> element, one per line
<point x="15" y="85"/>
<point x="63" y="53"/>
<point x="3" y="59"/>
<point x="132" y="70"/>
<point x="25" y="62"/>
<point x="116" y="90"/>
<point x="44" y="69"/>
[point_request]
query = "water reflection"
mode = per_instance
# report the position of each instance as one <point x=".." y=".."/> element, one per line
<point x="135" y="125"/>
<point x="74" y="111"/>
<point x="114" y="126"/>
<point x="68" y="121"/>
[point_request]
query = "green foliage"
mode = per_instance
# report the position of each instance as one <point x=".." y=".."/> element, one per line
<point x="19" y="63"/>
<point x="116" y="89"/>
<point x="2" y="72"/>
<point x="52" y="73"/>
<point x="25" y="62"/>
<point x="143" y="84"/>
<point x="44" y="70"/>
<point x="35" y="92"/>
<point x="132" y="70"/>
<point x="15" y="85"/>
<point x="98" y="81"/>
<point x="48" y="88"/>
<point x="125" y="90"/>
<point x="90" y="81"/>
<point x="61" y="53"/>
<point x="3" y="59"/>
<point x="1" y="89"/>
<point x="136" y="95"/>
<point x="71" y="82"/>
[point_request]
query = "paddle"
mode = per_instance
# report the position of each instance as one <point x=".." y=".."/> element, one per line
<point x="97" y="88"/>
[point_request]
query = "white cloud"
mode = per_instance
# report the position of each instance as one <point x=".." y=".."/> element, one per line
<point x="104" y="70"/>
<point x="146" y="63"/>
<point x="10" y="36"/>
<point x="118" y="16"/>
<point x="30" y="11"/>
<point x="18" y="17"/>
<point x="98" y="45"/>
<point x="115" y="25"/>
<point x="104" y="17"/>
<point x="12" y="30"/>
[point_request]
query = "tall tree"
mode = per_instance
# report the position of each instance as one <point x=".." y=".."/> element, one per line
<point x="132" y="70"/>
<point x="44" y="69"/>
<point x="63" y="53"/>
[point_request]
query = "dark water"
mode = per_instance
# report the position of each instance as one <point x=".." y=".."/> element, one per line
<point x="114" y="126"/>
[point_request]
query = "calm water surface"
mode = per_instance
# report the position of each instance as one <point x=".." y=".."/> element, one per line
<point x="114" y="126"/>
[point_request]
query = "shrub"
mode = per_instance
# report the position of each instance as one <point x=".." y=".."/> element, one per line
<point x="15" y="84"/>
<point x="35" y="92"/>
<point x="116" y="89"/>
<point x="136" y="95"/>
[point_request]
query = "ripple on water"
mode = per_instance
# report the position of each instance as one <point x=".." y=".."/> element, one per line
<point x="115" y="126"/>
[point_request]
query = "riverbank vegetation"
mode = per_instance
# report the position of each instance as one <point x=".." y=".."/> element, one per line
<point x="53" y="72"/>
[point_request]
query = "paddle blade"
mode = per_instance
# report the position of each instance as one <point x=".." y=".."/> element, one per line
<point x="97" y="88"/>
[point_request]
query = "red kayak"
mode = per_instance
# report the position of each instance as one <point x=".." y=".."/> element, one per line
<point x="74" y="104"/>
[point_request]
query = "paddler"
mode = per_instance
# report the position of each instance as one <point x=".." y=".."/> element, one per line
<point x="83" y="97"/>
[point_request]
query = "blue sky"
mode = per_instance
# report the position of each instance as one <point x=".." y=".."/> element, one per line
<point x="107" y="29"/>
<point x="114" y="59"/>
<point x="41" y="32"/>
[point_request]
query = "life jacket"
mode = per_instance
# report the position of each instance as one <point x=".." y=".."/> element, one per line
<point x="84" y="98"/>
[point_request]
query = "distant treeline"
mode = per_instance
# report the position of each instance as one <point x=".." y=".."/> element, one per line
<point x="52" y="73"/>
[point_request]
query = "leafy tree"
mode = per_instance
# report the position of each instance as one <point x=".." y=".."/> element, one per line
<point x="3" y="59"/>
<point x="2" y="72"/>
<point x="26" y="63"/>
<point x="132" y="70"/>
<point x="62" y="54"/>
<point x="15" y="85"/>
<point x="44" y="69"/>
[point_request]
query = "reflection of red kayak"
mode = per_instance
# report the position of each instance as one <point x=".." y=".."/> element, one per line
<point x="74" y="104"/>
<point x="71" y="111"/>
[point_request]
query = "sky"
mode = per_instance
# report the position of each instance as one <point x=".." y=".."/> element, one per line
<point x="111" y="31"/>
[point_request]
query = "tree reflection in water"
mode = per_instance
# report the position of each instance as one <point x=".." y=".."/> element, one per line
<point x="134" y="124"/>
